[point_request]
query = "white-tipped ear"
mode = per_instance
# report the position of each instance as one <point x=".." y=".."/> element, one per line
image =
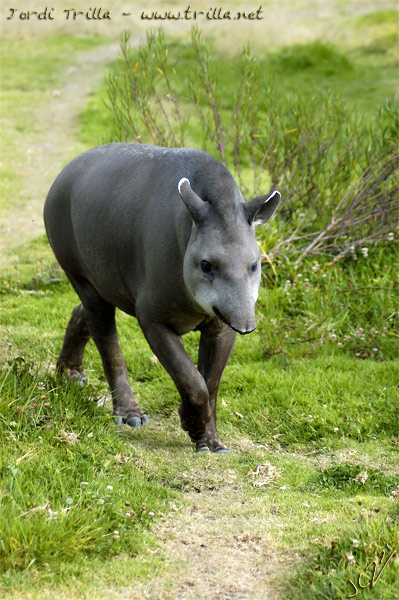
<point x="196" y="207"/>
<point x="182" y="180"/>
<point x="259" y="210"/>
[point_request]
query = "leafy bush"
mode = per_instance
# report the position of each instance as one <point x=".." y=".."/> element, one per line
<point x="314" y="55"/>
<point x="337" y="174"/>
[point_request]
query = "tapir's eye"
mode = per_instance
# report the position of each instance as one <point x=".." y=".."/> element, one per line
<point x="254" y="267"/>
<point x="206" y="267"/>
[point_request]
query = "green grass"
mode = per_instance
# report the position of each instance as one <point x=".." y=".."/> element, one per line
<point x="56" y="515"/>
<point x="322" y="420"/>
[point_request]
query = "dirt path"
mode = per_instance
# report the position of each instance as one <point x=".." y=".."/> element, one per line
<point x="222" y="544"/>
<point x="47" y="152"/>
<point x="218" y="547"/>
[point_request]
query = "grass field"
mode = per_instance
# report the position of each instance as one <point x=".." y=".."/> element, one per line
<point x="309" y="403"/>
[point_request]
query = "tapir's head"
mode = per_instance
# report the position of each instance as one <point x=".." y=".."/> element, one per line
<point x="222" y="263"/>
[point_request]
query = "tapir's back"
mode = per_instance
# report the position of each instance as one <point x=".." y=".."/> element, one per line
<point x="114" y="216"/>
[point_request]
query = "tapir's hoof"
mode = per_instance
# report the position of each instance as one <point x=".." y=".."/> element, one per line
<point x="133" y="421"/>
<point x="78" y="376"/>
<point x="118" y="420"/>
<point x="222" y="451"/>
<point x="202" y="447"/>
<point x="145" y="419"/>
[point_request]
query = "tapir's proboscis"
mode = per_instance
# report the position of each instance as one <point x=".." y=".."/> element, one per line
<point x="165" y="235"/>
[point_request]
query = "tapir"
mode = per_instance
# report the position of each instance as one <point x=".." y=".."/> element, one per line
<point x="163" y="234"/>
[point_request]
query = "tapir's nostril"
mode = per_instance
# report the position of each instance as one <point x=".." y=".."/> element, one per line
<point x="245" y="332"/>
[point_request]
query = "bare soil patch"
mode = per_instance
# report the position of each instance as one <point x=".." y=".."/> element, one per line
<point x="222" y="544"/>
<point x="214" y="549"/>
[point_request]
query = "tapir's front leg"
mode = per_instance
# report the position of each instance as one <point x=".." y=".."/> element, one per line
<point x="194" y="408"/>
<point x="216" y="344"/>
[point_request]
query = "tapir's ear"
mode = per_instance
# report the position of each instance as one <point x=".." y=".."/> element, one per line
<point x="261" y="209"/>
<point x="196" y="207"/>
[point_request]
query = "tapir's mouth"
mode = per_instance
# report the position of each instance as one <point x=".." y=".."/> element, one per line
<point x="223" y="318"/>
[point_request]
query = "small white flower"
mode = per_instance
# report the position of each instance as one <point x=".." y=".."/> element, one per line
<point x="339" y="344"/>
<point x="350" y="556"/>
<point x="336" y="428"/>
<point x="110" y="487"/>
<point x="355" y="543"/>
<point x="116" y="532"/>
<point x="390" y="236"/>
<point x="151" y="513"/>
<point x="333" y="337"/>
<point x="364" y="251"/>
<point x="324" y="275"/>
<point x="375" y="350"/>
<point x="84" y="483"/>
<point x="90" y="435"/>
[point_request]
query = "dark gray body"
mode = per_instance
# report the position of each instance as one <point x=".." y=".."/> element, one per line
<point x="162" y="234"/>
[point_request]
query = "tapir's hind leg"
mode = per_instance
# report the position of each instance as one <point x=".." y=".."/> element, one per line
<point x="76" y="337"/>
<point x="103" y="330"/>
<point x="100" y="320"/>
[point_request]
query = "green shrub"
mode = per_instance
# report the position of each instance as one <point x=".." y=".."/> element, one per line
<point x="337" y="174"/>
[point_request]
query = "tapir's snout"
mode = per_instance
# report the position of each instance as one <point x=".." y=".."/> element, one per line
<point x="241" y="327"/>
